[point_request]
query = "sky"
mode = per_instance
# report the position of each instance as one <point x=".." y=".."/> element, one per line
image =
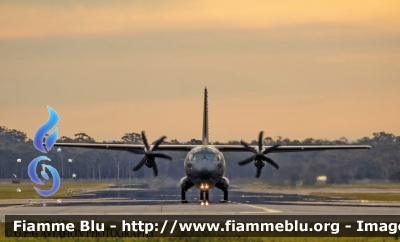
<point x="297" y="69"/>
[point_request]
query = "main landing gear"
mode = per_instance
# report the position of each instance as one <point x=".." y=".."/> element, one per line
<point x="186" y="184"/>
<point x="183" y="196"/>
<point x="223" y="185"/>
<point x="204" y="197"/>
<point x="225" y="196"/>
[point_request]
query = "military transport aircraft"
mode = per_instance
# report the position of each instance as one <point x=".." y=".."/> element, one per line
<point x="205" y="164"/>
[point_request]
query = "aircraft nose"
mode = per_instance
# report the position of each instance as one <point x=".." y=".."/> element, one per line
<point x="204" y="170"/>
<point x="204" y="175"/>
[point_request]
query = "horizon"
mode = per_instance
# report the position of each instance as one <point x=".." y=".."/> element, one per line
<point x="275" y="138"/>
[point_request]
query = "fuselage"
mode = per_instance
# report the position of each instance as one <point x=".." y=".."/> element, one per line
<point x="204" y="166"/>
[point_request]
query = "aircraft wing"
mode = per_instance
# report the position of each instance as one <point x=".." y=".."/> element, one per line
<point x="223" y="148"/>
<point x="291" y="148"/>
<point x="127" y="147"/>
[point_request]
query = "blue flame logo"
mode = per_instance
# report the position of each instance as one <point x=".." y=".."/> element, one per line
<point x="44" y="129"/>
<point x="54" y="173"/>
<point x="38" y="143"/>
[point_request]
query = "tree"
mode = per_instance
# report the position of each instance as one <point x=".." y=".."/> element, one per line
<point x="269" y="141"/>
<point x="174" y="142"/>
<point x="342" y="141"/>
<point x="13" y="136"/>
<point x="116" y="156"/>
<point x="93" y="159"/>
<point x="195" y="142"/>
<point x="83" y="138"/>
<point x="383" y="137"/>
<point x="308" y="141"/>
<point x="132" y="138"/>
<point x="65" y="139"/>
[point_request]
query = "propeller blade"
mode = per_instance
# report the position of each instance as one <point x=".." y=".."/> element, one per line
<point x="149" y="155"/>
<point x="155" y="169"/>
<point x="267" y="150"/>
<point x="163" y="156"/>
<point x="260" y="140"/>
<point x="246" y="161"/>
<point x="140" y="164"/>
<point x="271" y="162"/>
<point x="247" y="146"/>
<point x="158" y="142"/>
<point x="146" y="144"/>
<point x="258" y="172"/>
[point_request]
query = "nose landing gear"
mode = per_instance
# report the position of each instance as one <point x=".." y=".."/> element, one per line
<point x="204" y="195"/>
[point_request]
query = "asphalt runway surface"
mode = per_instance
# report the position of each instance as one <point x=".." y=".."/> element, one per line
<point x="130" y="200"/>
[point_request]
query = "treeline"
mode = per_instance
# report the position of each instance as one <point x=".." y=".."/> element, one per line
<point x="381" y="163"/>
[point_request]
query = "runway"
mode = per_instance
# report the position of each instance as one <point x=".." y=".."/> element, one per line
<point x="196" y="209"/>
<point x="145" y="202"/>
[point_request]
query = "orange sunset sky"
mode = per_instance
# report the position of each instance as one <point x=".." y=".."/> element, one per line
<point x="298" y="69"/>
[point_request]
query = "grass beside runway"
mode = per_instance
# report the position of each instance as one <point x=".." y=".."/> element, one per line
<point x="367" y="192"/>
<point x="389" y="197"/>
<point x="258" y="185"/>
<point x="9" y="191"/>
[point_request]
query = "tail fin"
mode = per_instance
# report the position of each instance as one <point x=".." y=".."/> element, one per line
<point x="205" y="119"/>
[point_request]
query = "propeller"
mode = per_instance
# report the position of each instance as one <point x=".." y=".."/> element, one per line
<point x="150" y="155"/>
<point x="259" y="157"/>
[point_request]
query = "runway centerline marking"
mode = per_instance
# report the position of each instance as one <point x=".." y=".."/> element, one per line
<point x="268" y="210"/>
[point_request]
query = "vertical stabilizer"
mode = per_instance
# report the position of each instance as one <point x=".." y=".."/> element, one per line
<point x="205" y="119"/>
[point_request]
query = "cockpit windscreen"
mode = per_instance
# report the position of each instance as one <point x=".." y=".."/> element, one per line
<point x="204" y="156"/>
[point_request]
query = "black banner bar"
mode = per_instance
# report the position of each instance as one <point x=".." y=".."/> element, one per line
<point x="202" y="226"/>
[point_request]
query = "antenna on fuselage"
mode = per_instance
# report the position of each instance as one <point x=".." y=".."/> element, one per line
<point x="205" y="119"/>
